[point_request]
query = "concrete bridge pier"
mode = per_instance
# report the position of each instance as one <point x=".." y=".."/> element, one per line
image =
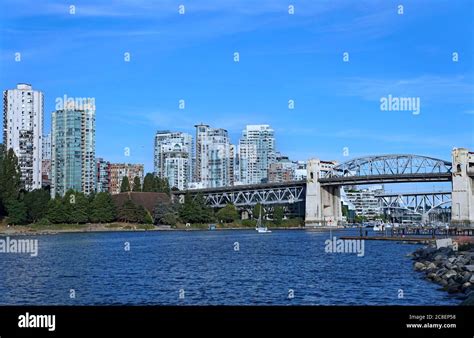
<point x="323" y="204"/>
<point x="462" y="212"/>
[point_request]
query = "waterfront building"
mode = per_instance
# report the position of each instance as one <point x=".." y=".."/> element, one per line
<point x="364" y="202"/>
<point x="73" y="163"/>
<point x="22" y="131"/>
<point x="103" y="175"/>
<point x="46" y="161"/>
<point x="283" y="170"/>
<point x="173" y="158"/>
<point x="256" y="153"/>
<point x="119" y="170"/>
<point x="214" y="157"/>
<point x="300" y="171"/>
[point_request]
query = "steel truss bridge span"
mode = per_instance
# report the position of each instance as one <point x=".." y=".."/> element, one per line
<point x="419" y="202"/>
<point x="250" y="195"/>
<point x="397" y="168"/>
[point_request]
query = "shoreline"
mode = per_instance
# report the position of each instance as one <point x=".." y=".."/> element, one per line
<point x="117" y="227"/>
<point x="452" y="270"/>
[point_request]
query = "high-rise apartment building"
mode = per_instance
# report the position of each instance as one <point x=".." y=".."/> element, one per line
<point x="256" y="153"/>
<point x="46" y="150"/>
<point x="119" y="170"/>
<point x="103" y="175"/>
<point x="282" y="170"/>
<point x="46" y="161"/>
<point x="73" y="149"/>
<point x="173" y="158"/>
<point x="214" y="157"/>
<point x="22" y="131"/>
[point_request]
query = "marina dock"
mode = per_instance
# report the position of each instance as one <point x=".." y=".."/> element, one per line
<point x="423" y="240"/>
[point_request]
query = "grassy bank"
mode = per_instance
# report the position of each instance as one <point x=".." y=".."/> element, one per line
<point x="54" y="228"/>
<point x="38" y="228"/>
<point x="244" y="224"/>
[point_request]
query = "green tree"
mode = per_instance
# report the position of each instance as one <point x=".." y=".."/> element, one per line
<point x="278" y="214"/>
<point x="195" y="210"/>
<point x="205" y="213"/>
<point x="103" y="208"/>
<point x="36" y="203"/>
<point x="162" y="185"/>
<point x="91" y="197"/>
<point x="161" y="213"/>
<point x="10" y="176"/>
<point x="81" y="209"/>
<point x="133" y="213"/>
<point x="345" y="210"/>
<point x="228" y="214"/>
<point x="56" y="213"/>
<point x="17" y="213"/>
<point x="187" y="209"/>
<point x="256" y="211"/>
<point x="76" y="207"/>
<point x="68" y="201"/>
<point x="126" y="212"/>
<point x="147" y="219"/>
<point x="125" y="185"/>
<point x="170" y="219"/>
<point x="137" y="185"/>
<point x="149" y="183"/>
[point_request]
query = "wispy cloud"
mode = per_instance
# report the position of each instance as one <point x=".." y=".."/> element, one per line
<point x="432" y="88"/>
<point x="203" y="19"/>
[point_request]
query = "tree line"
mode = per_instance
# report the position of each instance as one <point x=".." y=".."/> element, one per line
<point x="37" y="206"/>
<point x="194" y="210"/>
<point x="27" y="207"/>
<point x="151" y="183"/>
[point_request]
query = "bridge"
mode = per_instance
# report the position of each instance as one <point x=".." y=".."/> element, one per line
<point x="388" y="169"/>
<point x="245" y="197"/>
<point x="421" y="202"/>
<point x="319" y="197"/>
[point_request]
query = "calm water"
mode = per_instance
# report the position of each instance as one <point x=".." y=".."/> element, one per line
<point x="205" y="265"/>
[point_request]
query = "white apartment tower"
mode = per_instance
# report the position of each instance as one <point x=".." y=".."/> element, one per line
<point x="256" y="153"/>
<point x="23" y="129"/>
<point x="173" y="158"/>
<point x="214" y="157"/>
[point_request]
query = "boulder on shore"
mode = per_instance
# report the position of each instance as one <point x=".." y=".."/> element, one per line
<point x="452" y="270"/>
<point x="419" y="266"/>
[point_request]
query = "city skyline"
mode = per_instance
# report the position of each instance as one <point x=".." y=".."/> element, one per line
<point x="336" y="103"/>
<point x="233" y="155"/>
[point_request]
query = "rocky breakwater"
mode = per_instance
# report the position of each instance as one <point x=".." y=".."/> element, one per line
<point x="452" y="269"/>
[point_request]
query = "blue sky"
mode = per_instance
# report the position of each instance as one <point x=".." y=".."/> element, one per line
<point x="282" y="57"/>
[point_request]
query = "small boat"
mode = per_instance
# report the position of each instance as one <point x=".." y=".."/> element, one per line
<point x="261" y="229"/>
<point x="379" y="225"/>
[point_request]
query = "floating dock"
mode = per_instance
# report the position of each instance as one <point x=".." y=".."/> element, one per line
<point x="396" y="239"/>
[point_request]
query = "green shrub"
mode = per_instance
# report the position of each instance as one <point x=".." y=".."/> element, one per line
<point x="249" y="223"/>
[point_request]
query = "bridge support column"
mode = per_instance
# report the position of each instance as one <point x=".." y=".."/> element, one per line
<point x="323" y="204"/>
<point x="462" y="205"/>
